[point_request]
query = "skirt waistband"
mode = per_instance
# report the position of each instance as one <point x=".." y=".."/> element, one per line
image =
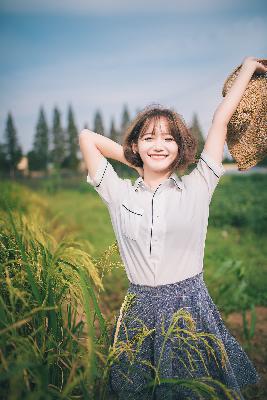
<point x="195" y="280"/>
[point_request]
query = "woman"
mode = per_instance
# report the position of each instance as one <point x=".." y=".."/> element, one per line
<point x="168" y="326"/>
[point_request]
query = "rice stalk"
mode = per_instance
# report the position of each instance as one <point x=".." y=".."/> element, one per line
<point x="41" y="345"/>
<point x="187" y="340"/>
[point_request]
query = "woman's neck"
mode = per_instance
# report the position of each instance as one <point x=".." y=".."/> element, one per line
<point x="152" y="179"/>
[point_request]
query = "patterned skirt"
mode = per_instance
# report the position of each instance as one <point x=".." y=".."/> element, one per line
<point x="170" y="342"/>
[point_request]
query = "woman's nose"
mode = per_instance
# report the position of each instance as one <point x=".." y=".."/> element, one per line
<point x="158" y="144"/>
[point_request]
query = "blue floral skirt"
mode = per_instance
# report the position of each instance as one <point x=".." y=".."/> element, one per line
<point x="169" y="342"/>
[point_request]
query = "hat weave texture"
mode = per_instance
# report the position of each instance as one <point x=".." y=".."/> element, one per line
<point x="247" y="129"/>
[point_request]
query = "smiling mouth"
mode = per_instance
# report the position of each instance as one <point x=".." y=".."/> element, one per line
<point x="158" y="157"/>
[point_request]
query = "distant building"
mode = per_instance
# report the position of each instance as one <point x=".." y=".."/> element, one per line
<point x="230" y="166"/>
<point x="23" y="166"/>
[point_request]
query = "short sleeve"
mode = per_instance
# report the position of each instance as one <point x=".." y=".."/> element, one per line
<point x="106" y="182"/>
<point x="207" y="174"/>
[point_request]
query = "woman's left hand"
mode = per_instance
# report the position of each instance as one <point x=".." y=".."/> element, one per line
<point x="255" y="64"/>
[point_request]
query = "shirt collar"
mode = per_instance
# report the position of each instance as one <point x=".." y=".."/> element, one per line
<point x="173" y="178"/>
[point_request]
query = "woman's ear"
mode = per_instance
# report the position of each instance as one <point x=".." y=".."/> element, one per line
<point x="134" y="147"/>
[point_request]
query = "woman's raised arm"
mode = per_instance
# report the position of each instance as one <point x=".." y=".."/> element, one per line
<point x="93" y="146"/>
<point x="217" y="134"/>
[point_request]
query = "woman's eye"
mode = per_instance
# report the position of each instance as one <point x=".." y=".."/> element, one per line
<point x="148" y="138"/>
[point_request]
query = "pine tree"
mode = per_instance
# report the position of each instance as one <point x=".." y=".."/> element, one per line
<point x="12" y="148"/>
<point x="33" y="161"/>
<point x="196" y="131"/>
<point x="71" y="160"/>
<point x="58" y="153"/>
<point x="38" y="159"/>
<point x="113" y="132"/>
<point x="3" y="159"/>
<point x="98" y="123"/>
<point x="124" y="122"/>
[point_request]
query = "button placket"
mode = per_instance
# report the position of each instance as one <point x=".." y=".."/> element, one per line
<point x="152" y="221"/>
<point x="157" y="206"/>
<point x="160" y="229"/>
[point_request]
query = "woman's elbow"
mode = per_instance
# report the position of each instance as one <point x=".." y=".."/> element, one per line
<point x="85" y="135"/>
<point x="85" y="132"/>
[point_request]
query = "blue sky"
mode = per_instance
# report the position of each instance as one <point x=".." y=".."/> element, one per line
<point x="104" y="54"/>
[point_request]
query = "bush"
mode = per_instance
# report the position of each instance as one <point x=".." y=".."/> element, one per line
<point x="240" y="202"/>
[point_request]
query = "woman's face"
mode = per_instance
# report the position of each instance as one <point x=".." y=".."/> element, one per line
<point x="159" y="150"/>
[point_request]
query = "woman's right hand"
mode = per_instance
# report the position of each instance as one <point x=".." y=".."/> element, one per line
<point x="255" y="64"/>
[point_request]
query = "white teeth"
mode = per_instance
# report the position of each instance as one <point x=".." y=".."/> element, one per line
<point x="158" y="157"/>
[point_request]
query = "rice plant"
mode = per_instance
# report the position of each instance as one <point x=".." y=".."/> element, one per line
<point x="48" y="340"/>
<point x="127" y="360"/>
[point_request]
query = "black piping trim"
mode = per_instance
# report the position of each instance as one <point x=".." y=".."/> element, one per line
<point x="131" y="210"/>
<point x="137" y="186"/>
<point x="103" y="174"/>
<point x="175" y="182"/>
<point x="152" y="218"/>
<point x="209" y="167"/>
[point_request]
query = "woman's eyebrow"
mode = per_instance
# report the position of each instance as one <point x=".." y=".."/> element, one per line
<point x="151" y="133"/>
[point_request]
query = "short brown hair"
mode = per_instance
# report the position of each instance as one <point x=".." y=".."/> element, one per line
<point x="187" y="142"/>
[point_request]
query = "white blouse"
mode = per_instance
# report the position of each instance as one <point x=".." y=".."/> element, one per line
<point x="161" y="233"/>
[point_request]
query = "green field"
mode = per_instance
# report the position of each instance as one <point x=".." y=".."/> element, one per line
<point x="235" y="271"/>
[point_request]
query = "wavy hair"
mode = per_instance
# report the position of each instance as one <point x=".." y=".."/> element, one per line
<point x="186" y="141"/>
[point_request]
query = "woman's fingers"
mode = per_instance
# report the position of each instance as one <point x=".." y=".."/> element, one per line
<point x="256" y="63"/>
<point x="261" y="67"/>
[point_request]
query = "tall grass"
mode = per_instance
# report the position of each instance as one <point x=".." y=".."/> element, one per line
<point x="49" y="336"/>
<point x="47" y="330"/>
<point x="235" y="294"/>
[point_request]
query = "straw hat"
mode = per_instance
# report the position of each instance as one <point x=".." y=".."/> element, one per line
<point x="247" y="129"/>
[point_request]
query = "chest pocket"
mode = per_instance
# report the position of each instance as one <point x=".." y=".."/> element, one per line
<point x="131" y="217"/>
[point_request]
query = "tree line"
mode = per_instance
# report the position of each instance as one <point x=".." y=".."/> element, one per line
<point x="57" y="147"/>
